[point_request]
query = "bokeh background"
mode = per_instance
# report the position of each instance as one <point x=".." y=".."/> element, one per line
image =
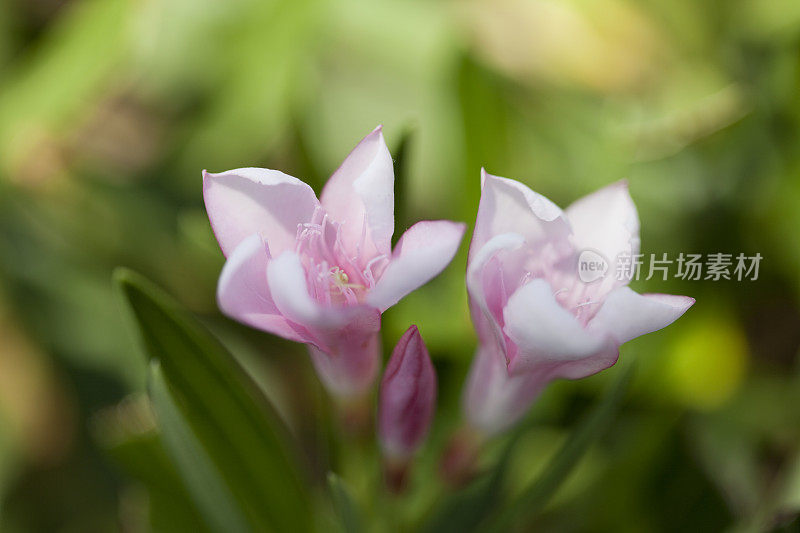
<point x="109" y="110"/>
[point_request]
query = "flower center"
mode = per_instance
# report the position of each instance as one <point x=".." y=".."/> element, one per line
<point x="340" y="281"/>
<point x="554" y="265"/>
<point x="334" y="277"/>
<point x="340" y="278"/>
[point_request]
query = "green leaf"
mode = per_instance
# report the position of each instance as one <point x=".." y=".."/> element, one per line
<point x="401" y="177"/>
<point x="467" y="509"/>
<point x="126" y="432"/>
<point x="343" y="503"/>
<point x="485" y="115"/>
<point x="89" y="38"/>
<point x="223" y="408"/>
<point x="535" y="496"/>
<point x="475" y="508"/>
<point x="203" y="479"/>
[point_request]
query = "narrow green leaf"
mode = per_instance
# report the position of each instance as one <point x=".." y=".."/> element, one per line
<point x="485" y="115"/>
<point x="535" y="496"/>
<point x="230" y="416"/>
<point x="343" y="503"/>
<point x="126" y="432"/>
<point x="89" y="38"/>
<point x="401" y="177"/>
<point x="203" y="480"/>
<point x="466" y="510"/>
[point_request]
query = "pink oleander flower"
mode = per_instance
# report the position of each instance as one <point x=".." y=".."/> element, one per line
<point x="322" y="271"/>
<point x="407" y="398"/>
<point x="536" y="319"/>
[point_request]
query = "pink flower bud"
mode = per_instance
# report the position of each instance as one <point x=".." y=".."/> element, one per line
<point x="407" y="397"/>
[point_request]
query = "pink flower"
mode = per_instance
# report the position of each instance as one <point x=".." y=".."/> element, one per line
<point x="536" y="319"/>
<point x="322" y="271"/>
<point x="407" y="398"/>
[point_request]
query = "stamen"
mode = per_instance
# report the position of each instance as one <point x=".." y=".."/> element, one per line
<point x="369" y="277"/>
<point x="340" y="277"/>
<point x="333" y="276"/>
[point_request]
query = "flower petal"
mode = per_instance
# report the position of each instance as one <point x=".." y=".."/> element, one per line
<point x="485" y="289"/>
<point x="352" y="366"/>
<point x="493" y="399"/>
<point x="245" y="201"/>
<point x="544" y="331"/>
<point x="588" y="366"/>
<point x="626" y="314"/>
<point x="360" y="196"/>
<point x="606" y="221"/>
<point x="507" y="206"/>
<point x="243" y="294"/>
<point x="421" y="253"/>
<point x="287" y="283"/>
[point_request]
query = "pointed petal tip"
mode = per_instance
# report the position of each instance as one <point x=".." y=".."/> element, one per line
<point x="376" y="133"/>
<point x="208" y="178"/>
<point x="682" y="303"/>
<point x="207" y="175"/>
<point x="688" y="302"/>
<point x="422" y="252"/>
<point x="483" y="177"/>
<point x="626" y="314"/>
<point x="491" y="179"/>
<point x="621" y="186"/>
<point x="447" y="229"/>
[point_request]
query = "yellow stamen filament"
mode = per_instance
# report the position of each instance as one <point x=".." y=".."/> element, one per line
<point x="341" y="280"/>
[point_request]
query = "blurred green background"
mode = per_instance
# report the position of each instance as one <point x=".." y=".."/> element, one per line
<point x="109" y="110"/>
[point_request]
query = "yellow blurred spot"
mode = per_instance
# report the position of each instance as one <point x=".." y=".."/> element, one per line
<point x="707" y="362"/>
<point x="609" y="45"/>
<point x="35" y="411"/>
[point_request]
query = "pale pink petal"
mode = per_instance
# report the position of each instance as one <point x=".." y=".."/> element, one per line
<point x="350" y="368"/>
<point x="360" y="195"/>
<point x="481" y="295"/>
<point x="590" y="365"/>
<point x="421" y="253"/>
<point x="507" y="206"/>
<point x="626" y="314"/>
<point x="606" y="221"/>
<point x="348" y="358"/>
<point x="243" y="294"/>
<point x="494" y="399"/>
<point x="245" y="201"/>
<point x="490" y="297"/>
<point x="543" y="331"/>
<point x="287" y="284"/>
